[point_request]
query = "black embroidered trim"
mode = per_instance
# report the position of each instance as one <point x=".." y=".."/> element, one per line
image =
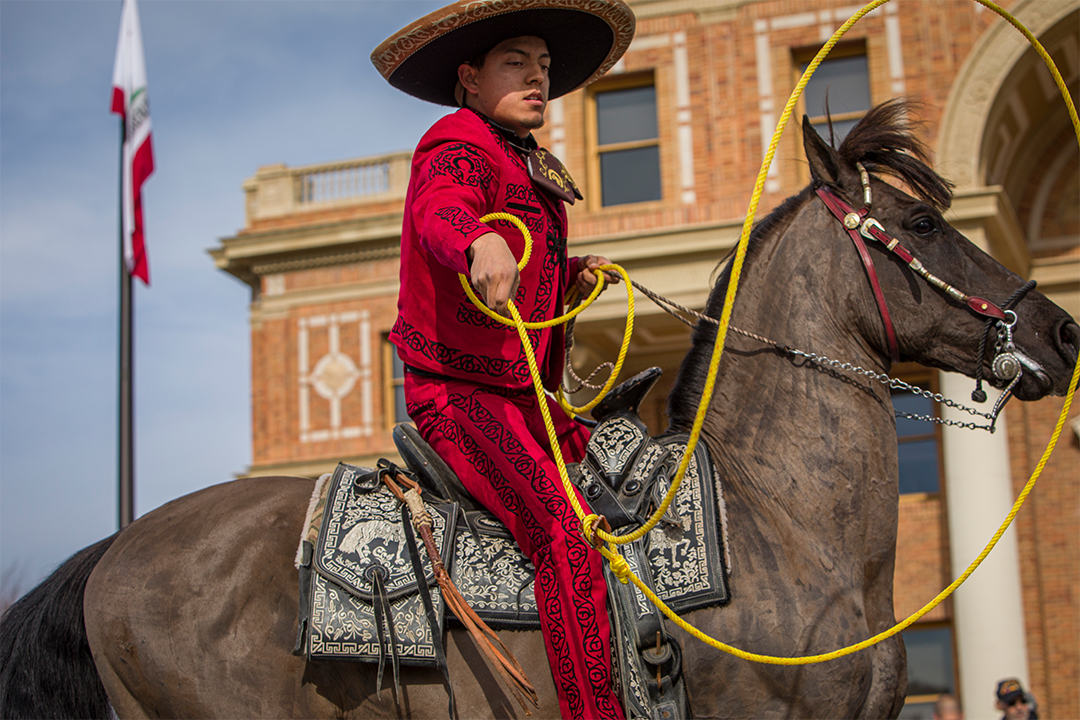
<point x="459" y="220"/>
<point x="523" y="193"/>
<point x="456" y="359"/>
<point x="464" y="164"/>
<point x="534" y="217"/>
<point x="523" y="208"/>
<point x="469" y="314"/>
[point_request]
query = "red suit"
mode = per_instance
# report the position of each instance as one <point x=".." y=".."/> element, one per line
<point x="469" y="391"/>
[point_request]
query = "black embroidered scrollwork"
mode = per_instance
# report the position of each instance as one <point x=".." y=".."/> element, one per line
<point x="459" y="220"/>
<point x="464" y="164"/>
<point x="447" y="356"/>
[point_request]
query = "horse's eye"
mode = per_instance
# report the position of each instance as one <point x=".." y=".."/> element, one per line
<point x="923" y="226"/>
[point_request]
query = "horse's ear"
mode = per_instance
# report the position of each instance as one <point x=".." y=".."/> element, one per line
<point x="824" y="162"/>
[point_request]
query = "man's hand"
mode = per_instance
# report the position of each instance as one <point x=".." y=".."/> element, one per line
<point x="586" y="278"/>
<point x="493" y="271"/>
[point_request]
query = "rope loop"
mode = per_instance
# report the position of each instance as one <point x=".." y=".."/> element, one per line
<point x="595" y="528"/>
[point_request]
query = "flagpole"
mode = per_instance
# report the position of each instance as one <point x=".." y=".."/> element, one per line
<point x="129" y="100"/>
<point x="126" y="445"/>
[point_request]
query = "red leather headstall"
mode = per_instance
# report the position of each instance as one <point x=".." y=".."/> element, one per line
<point x="859" y="226"/>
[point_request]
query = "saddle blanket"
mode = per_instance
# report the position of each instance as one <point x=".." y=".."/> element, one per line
<point x="355" y="532"/>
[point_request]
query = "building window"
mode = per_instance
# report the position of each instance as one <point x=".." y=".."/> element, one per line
<point x="840" y="88"/>
<point x="625" y="137"/>
<point x="917" y="440"/>
<point x="931" y="670"/>
<point x="394" y="384"/>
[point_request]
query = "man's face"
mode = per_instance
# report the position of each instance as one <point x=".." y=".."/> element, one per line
<point x="947" y="709"/>
<point x="512" y="86"/>
<point x="1019" y="710"/>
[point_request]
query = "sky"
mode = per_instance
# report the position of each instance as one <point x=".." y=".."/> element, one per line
<point x="232" y="85"/>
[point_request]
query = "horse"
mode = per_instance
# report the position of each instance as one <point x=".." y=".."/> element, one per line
<point x="191" y="610"/>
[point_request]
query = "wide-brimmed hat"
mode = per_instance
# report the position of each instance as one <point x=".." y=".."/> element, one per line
<point x="585" y="38"/>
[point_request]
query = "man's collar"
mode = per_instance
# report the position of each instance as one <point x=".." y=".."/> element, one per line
<point x="524" y="145"/>
<point x="543" y="167"/>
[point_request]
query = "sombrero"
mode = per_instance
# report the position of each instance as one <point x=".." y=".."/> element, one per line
<point x="585" y="38"/>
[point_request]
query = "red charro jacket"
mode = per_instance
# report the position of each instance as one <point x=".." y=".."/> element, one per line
<point x="464" y="169"/>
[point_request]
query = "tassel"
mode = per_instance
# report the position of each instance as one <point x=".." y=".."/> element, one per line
<point x="503" y="660"/>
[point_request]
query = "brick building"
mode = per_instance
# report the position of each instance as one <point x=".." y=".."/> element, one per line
<point x="687" y="114"/>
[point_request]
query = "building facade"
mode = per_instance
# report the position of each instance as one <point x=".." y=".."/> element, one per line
<point x="666" y="149"/>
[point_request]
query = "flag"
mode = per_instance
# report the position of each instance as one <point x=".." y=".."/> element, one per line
<point x="130" y="102"/>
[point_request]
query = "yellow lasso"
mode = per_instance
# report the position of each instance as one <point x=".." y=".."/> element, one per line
<point x="618" y="564"/>
<point x="517" y="322"/>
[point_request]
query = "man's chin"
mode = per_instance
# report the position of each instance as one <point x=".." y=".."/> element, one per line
<point x="533" y="123"/>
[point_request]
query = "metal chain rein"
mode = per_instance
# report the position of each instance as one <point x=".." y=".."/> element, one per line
<point x="895" y="383"/>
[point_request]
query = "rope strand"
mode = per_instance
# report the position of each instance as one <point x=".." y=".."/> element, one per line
<point x="595" y="536"/>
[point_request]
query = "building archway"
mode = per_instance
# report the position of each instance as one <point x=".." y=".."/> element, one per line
<point x="1007" y="141"/>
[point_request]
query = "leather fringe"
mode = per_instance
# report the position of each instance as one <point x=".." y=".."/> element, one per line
<point x="499" y="657"/>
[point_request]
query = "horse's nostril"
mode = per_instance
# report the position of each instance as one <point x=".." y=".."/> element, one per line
<point x="1068" y="339"/>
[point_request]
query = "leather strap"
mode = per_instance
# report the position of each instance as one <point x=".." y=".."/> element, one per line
<point x="307" y="553"/>
<point x="384" y="626"/>
<point x="979" y="305"/>
<point x="504" y="662"/>
<point x="858" y="226"/>
<point x="429" y="606"/>
<point x="842" y="211"/>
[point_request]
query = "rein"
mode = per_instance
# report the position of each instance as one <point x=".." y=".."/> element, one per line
<point x="670" y="306"/>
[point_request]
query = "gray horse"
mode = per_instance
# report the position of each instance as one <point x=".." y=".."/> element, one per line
<point x="191" y="611"/>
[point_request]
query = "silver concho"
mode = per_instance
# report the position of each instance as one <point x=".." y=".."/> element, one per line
<point x="1006" y="366"/>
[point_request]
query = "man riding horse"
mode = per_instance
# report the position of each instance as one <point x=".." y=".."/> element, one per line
<point x="468" y="387"/>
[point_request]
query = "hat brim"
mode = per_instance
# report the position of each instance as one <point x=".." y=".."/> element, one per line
<point x="584" y="39"/>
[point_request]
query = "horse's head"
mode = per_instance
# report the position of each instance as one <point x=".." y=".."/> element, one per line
<point x="934" y="324"/>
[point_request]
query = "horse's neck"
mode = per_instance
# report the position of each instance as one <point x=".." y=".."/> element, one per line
<point x="796" y="440"/>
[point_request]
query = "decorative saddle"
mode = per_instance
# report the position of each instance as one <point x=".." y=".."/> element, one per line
<point x="361" y="598"/>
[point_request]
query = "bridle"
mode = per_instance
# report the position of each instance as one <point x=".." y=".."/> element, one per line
<point x="1007" y="363"/>
<point x="858" y="224"/>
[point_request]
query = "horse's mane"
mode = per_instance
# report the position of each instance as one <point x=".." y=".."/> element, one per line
<point x="884" y="141"/>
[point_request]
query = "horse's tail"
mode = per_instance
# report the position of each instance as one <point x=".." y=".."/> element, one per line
<point x="46" y="669"/>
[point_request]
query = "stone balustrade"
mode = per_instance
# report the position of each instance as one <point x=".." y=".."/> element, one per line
<point x="278" y="190"/>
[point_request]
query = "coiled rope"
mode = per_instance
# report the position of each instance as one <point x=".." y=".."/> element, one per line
<point x="589" y="522"/>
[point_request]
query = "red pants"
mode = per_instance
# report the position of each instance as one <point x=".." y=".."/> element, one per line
<point x="496" y="443"/>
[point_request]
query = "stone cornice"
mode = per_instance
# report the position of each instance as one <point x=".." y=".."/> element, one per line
<point x="305" y="263"/>
<point x="270" y="307"/>
<point x="690" y="256"/>
<point x="1063" y="272"/>
<point x="678" y="263"/>
<point x="708" y="11"/>
<point x="662" y="242"/>
<point x="251" y="254"/>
